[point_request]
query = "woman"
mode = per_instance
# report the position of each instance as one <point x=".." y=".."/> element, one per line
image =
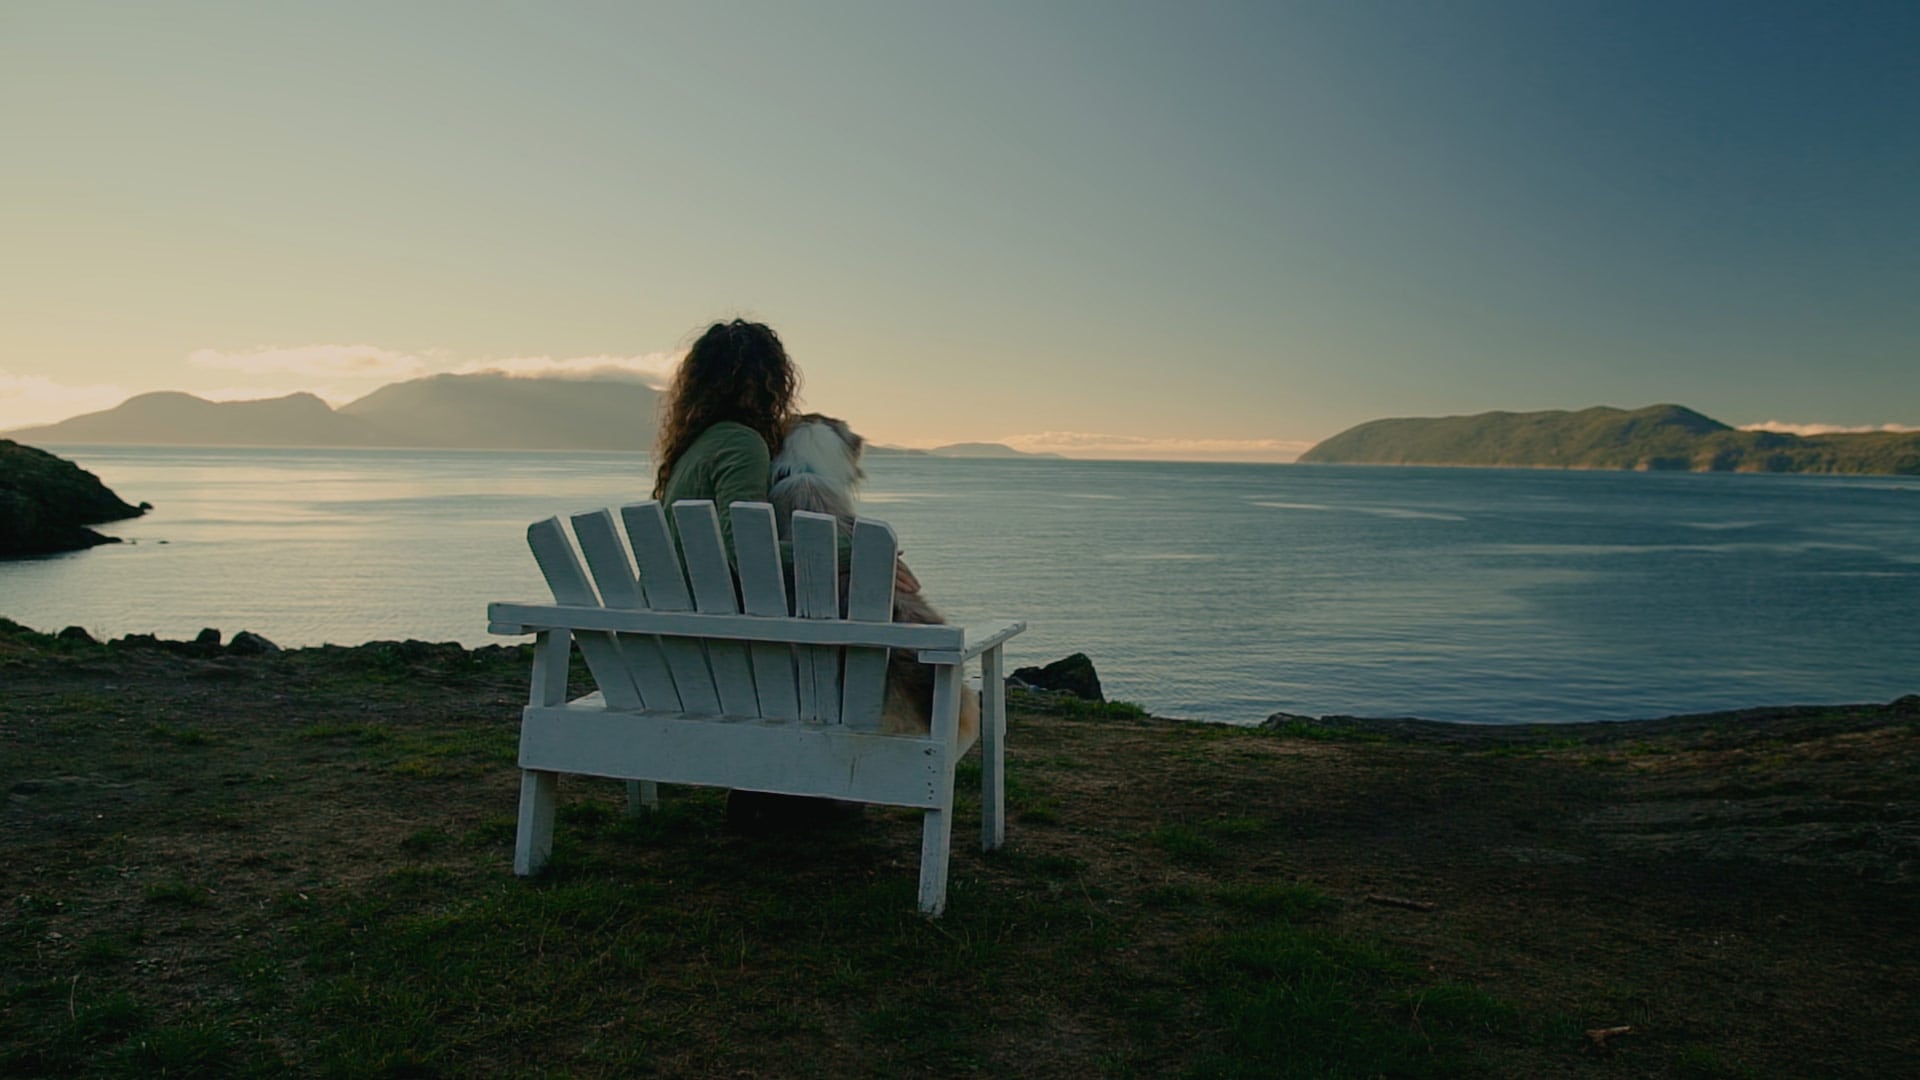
<point x="725" y="414"/>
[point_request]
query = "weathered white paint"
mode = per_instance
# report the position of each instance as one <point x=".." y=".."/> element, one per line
<point x="619" y="588"/>
<point x="534" y="844"/>
<point x="713" y="594"/>
<point x="977" y="639"/>
<point x="642" y="795"/>
<point x="869" y="599"/>
<point x="993" y="752"/>
<point x="763" y="592"/>
<point x="760" y="755"/>
<point x="757" y="746"/>
<point x="568" y="580"/>
<point x="665" y="585"/>
<point x="944" y="642"/>
<point x="552" y="649"/>
<point x="816" y="595"/>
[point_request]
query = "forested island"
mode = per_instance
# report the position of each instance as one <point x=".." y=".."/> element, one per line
<point x="1658" y="437"/>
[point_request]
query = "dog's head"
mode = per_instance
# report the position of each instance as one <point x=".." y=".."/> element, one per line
<point x="823" y="446"/>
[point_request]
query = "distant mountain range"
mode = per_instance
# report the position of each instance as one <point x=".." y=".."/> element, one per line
<point x="1659" y="437"/>
<point x="482" y="412"/>
<point x="469" y="411"/>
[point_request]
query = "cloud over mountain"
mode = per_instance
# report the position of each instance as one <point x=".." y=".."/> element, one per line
<point x="36" y="399"/>
<point x="654" y="369"/>
<point x="325" y="361"/>
<point x="1784" y="428"/>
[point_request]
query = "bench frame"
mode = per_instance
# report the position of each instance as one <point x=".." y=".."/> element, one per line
<point x="783" y="697"/>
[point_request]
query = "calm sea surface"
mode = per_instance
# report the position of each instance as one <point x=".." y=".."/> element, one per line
<point x="1219" y="592"/>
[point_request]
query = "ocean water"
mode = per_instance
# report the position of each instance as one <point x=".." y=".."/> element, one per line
<point x="1217" y="592"/>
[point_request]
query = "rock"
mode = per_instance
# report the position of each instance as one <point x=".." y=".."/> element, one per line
<point x="248" y="643"/>
<point x="1073" y="675"/>
<point x="46" y="502"/>
<point x="209" y="636"/>
<point x="75" y="633"/>
<point x="136" y="641"/>
<point x="1281" y="720"/>
<point x="1907" y="707"/>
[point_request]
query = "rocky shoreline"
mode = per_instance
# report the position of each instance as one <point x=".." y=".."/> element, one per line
<point x="1072" y="686"/>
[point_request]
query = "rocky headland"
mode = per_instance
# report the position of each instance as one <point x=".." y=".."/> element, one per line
<point x="47" y="502"/>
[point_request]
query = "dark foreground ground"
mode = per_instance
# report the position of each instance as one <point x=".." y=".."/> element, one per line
<point x="299" y="863"/>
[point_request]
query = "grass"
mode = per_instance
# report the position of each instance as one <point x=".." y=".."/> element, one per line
<point x="179" y="736"/>
<point x="1308" y="729"/>
<point x="328" y="894"/>
<point x="177" y="892"/>
<point x="658" y="942"/>
<point x="1078" y="708"/>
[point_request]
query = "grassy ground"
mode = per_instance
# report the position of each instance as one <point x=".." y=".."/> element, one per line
<point x="216" y="865"/>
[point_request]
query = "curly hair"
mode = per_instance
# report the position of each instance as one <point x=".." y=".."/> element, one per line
<point x="736" y="371"/>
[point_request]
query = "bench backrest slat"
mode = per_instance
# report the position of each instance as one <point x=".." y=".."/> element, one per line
<point x="619" y="588"/>
<point x="666" y="589"/>
<point x="713" y="593"/>
<point x="869" y="599"/>
<point x="763" y="591"/>
<point x="816" y="595"/>
<point x="668" y="662"/>
<point x="568" y="581"/>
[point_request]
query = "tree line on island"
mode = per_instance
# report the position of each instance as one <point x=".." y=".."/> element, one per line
<point x="1656" y="438"/>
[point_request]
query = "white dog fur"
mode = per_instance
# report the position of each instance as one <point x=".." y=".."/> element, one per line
<point x="818" y="470"/>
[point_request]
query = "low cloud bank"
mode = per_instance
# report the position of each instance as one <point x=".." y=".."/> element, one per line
<point x="392" y="365"/>
<point x="1784" y="428"/>
<point x="324" y="361"/>
<point x="1101" y="444"/>
<point x="30" y="400"/>
<point x="654" y="369"/>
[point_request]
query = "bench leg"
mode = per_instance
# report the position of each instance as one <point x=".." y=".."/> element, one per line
<point x="936" y="840"/>
<point x="642" y="795"/>
<point x="993" y="752"/>
<point x="535" y="843"/>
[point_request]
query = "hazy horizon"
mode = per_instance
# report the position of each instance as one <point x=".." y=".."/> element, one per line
<point x="1117" y="452"/>
<point x="1100" y="230"/>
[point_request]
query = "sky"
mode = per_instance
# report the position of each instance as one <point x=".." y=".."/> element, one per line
<point x="1151" y="230"/>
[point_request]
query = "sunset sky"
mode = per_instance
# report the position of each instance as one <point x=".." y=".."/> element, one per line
<point x="1105" y="229"/>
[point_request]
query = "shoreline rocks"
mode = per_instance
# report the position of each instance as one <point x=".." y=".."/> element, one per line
<point x="1072" y="675"/>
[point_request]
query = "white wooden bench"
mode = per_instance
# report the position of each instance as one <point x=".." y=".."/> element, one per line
<point x="704" y="683"/>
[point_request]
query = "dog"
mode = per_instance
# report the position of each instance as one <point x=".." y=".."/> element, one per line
<point x="818" y="470"/>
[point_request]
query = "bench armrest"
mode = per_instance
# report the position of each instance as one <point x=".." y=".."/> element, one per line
<point x="979" y="639"/>
<point x="512" y="618"/>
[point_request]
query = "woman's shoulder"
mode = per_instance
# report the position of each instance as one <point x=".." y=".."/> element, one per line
<point x="727" y="438"/>
<point x="729" y="433"/>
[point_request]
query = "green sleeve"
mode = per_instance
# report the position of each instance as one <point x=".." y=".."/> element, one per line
<point x="736" y="466"/>
<point x="741" y="469"/>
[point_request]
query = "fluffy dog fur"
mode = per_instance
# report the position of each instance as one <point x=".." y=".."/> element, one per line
<point x="818" y="470"/>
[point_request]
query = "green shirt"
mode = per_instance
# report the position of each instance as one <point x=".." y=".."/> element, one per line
<point x="727" y="463"/>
